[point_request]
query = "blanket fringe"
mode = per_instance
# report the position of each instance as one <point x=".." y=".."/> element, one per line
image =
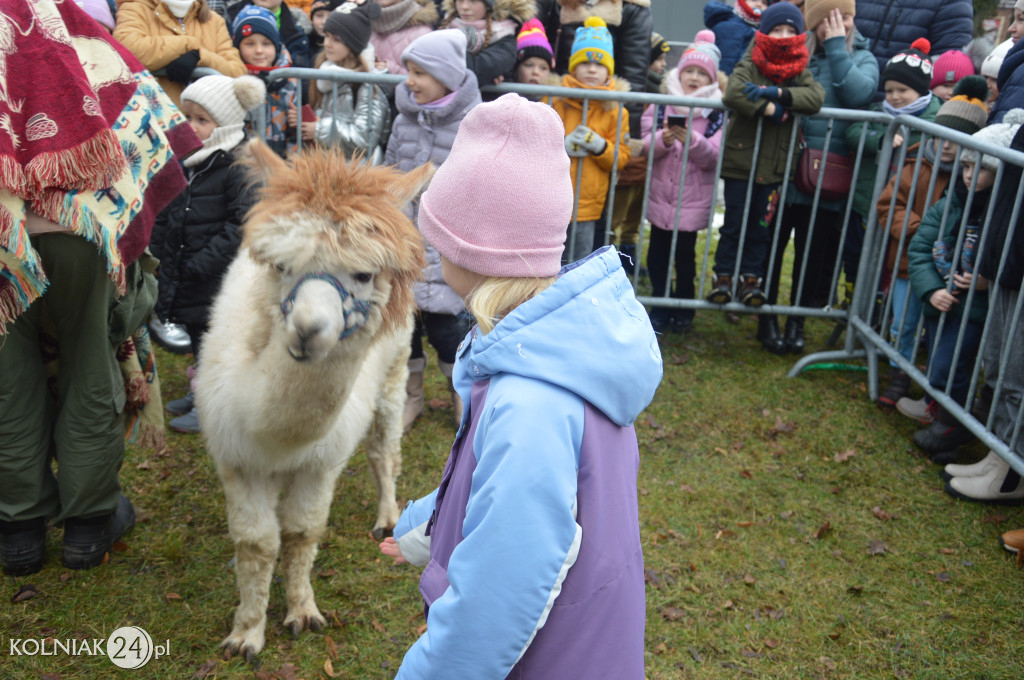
<point x="93" y="164"/>
<point x="12" y="176"/>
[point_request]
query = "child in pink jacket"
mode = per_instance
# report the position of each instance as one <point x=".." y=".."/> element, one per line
<point x="695" y="76"/>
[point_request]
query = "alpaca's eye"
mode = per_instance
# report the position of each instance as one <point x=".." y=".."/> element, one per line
<point x="363" y="277"/>
<point x="280" y="268"/>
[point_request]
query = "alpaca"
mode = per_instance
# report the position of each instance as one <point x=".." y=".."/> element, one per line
<point x="305" y="357"/>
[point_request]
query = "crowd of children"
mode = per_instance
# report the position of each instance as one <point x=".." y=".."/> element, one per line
<point x="772" y="63"/>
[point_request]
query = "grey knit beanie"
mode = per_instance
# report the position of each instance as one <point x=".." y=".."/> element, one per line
<point x="999" y="134"/>
<point x="442" y="54"/>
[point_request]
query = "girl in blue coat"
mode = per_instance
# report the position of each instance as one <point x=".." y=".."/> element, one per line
<point x="734" y="28"/>
<point x="531" y="543"/>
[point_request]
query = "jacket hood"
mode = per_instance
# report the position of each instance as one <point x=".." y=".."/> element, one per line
<point x="716" y="12"/>
<point x="577" y="11"/>
<point x="464" y="98"/>
<point x="586" y="333"/>
<point x="516" y="10"/>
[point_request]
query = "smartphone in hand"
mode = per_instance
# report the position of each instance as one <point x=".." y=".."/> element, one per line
<point x="676" y="121"/>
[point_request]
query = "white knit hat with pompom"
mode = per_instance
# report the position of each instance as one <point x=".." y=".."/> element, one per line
<point x="226" y="99"/>
<point x="999" y="134"/>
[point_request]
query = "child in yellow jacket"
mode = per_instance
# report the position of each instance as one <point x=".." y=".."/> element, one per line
<point x="595" y="141"/>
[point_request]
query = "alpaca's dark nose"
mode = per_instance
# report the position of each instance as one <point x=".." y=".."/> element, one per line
<point x="306" y="337"/>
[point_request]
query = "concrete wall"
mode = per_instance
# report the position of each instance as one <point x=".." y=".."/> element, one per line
<point x="678" y="20"/>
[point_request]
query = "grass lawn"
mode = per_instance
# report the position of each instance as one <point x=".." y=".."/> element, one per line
<point x="789" y="526"/>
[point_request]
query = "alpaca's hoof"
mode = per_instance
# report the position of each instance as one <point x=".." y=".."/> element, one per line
<point x="298" y="622"/>
<point x="246" y="645"/>
<point x="380" y="533"/>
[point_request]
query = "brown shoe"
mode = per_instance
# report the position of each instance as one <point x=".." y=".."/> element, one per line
<point x="722" y="292"/>
<point x="1014" y="542"/>
<point x="750" y="292"/>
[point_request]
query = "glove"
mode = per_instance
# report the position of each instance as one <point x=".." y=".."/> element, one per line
<point x="180" y="70"/>
<point x="474" y="40"/>
<point x="574" y="150"/>
<point x="769" y="92"/>
<point x="589" y="140"/>
<point x="780" y="116"/>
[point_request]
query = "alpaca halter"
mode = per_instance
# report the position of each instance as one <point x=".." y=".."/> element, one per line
<point x="357" y="305"/>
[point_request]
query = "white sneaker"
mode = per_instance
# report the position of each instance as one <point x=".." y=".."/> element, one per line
<point x="978" y="469"/>
<point x="918" y="409"/>
<point x="989" y="488"/>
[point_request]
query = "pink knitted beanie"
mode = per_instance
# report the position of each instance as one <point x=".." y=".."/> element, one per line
<point x="702" y="53"/>
<point x="951" y="67"/>
<point x="501" y="203"/>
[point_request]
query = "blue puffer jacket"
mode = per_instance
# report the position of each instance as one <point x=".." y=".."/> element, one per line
<point x="1011" y="84"/>
<point x="850" y="80"/>
<point x="891" y="25"/>
<point x="732" y="34"/>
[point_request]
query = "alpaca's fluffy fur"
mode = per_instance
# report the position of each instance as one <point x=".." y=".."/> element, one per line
<point x="283" y="402"/>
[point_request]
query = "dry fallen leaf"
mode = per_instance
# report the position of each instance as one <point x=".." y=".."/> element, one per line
<point x="672" y="613"/>
<point x="844" y="456"/>
<point x="749" y="579"/>
<point x="880" y="514"/>
<point x="65" y="577"/>
<point x="746" y="474"/>
<point x="876" y="547"/>
<point x="771" y="643"/>
<point x="329" y="669"/>
<point x="205" y="670"/>
<point x="942" y="576"/>
<point x="823" y="530"/>
<point x="994" y="519"/>
<point x="947" y="551"/>
<point x="827" y="663"/>
<point x="172" y="597"/>
<point x="332" y="648"/>
<point x="26" y="592"/>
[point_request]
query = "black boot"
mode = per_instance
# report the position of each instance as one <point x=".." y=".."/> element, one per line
<point x="768" y="333"/>
<point x="22" y="546"/>
<point x="794" y="338"/>
<point x="943" y="436"/>
<point x="87" y="541"/>
<point x="899" y="384"/>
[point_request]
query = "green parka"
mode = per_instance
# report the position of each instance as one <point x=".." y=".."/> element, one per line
<point x="740" y="134"/>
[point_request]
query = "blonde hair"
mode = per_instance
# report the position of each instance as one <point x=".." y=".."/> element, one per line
<point x="488" y="32"/>
<point x="497" y="296"/>
<point x="353" y="61"/>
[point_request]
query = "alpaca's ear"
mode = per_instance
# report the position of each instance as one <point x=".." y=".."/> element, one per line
<point x="260" y="160"/>
<point x="408" y="186"/>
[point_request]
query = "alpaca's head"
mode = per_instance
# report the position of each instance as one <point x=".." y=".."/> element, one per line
<point x="341" y="254"/>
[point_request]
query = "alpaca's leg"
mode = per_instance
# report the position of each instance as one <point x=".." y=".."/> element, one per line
<point x="303" y="517"/>
<point x="384" y="446"/>
<point x="253" y="527"/>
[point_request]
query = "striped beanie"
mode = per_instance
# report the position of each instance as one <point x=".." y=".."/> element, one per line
<point x="532" y="41"/>
<point x="965" y="111"/>
<point x="659" y="46"/>
<point x="593" y="42"/>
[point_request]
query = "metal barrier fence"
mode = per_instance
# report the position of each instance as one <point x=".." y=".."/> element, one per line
<point x="861" y="319"/>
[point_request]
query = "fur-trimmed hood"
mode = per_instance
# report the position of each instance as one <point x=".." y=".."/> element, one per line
<point x="516" y="10"/>
<point x="426" y="16"/>
<point x="577" y="11"/>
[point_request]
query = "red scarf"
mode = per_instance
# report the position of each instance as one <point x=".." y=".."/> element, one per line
<point x="779" y="59"/>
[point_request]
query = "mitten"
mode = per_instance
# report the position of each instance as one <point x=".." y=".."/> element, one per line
<point x="574" y="150"/>
<point x="588" y="139"/>
<point x="474" y="39"/>
<point x="780" y="116"/>
<point x="180" y="70"/>
<point x="754" y="92"/>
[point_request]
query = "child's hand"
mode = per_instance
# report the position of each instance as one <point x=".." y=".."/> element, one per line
<point x="587" y="139"/>
<point x="943" y="300"/>
<point x="897" y="140"/>
<point x="389" y="546"/>
<point x="776" y="113"/>
<point x="963" y="281"/>
<point x="755" y="92"/>
<point x="308" y="130"/>
<point x="293" y="116"/>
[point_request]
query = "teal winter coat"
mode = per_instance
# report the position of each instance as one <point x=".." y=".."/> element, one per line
<point x="850" y="80"/>
<point x="865" y="181"/>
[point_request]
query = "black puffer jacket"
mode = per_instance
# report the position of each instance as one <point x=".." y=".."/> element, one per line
<point x="629" y="22"/>
<point x="197" y="236"/>
<point x="988" y="266"/>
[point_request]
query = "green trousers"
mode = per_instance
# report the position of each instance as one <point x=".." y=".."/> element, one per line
<point x="61" y="458"/>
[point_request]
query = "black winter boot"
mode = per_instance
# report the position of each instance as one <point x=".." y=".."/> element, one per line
<point x="943" y="436"/>
<point x="722" y="291"/>
<point x="899" y="384"/>
<point x="768" y="333"/>
<point x="794" y="337"/>
<point x="750" y="292"/>
<point x="23" y="546"/>
<point x="87" y="541"/>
